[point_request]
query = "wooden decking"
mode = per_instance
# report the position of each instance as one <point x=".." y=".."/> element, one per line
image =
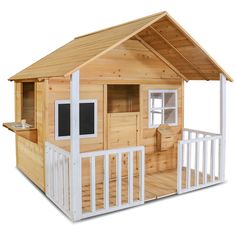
<point x="157" y="185"/>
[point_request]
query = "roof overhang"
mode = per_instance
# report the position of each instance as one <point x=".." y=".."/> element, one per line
<point x="159" y="32"/>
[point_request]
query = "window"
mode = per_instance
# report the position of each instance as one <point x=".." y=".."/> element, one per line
<point x="162" y="107"/>
<point x="28" y="103"/>
<point x="88" y="119"/>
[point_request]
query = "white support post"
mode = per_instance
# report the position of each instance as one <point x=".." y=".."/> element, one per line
<point x="222" y="124"/>
<point x="75" y="160"/>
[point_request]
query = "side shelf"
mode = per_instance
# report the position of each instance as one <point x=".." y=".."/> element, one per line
<point x="29" y="132"/>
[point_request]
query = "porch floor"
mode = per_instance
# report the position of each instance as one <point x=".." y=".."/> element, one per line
<point x="157" y="185"/>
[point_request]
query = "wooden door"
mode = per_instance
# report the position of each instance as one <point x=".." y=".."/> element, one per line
<point x="123" y="129"/>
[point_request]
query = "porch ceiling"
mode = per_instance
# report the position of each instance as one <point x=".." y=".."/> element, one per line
<point x="177" y="47"/>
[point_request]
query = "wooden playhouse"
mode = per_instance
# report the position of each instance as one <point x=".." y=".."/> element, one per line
<point x="104" y="119"/>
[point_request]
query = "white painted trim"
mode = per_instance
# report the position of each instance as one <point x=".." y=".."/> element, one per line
<point x="208" y="158"/>
<point x="111" y="209"/>
<point x="223" y="123"/>
<point x="57" y="102"/>
<point x="199" y="187"/>
<point x="118" y="154"/>
<point x="75" y="170"/>
<point x="163" y="108"/>
<point x="111" y="151"/>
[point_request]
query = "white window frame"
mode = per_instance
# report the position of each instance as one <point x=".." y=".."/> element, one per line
<point x="150" y="125"/>
<point x="58" y="102"/>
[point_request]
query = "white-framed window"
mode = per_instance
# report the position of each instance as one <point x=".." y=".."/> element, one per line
<point x="163" y="107"/>
<point x="88" y="119"/>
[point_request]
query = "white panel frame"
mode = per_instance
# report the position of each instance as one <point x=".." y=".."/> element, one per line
<point x="207" y="138"/>
<point x="222" y="124"/>
<point x="163" y="108"/>
<point x="75" y="170"/>
<point x="58" y="102"/>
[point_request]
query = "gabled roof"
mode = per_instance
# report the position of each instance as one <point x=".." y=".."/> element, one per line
<point x="159" y="32"/>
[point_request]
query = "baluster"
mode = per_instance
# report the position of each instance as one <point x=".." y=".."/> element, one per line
<point x="130" y="177"/>
<point x="141" y="175"/>
<point x="212" y="160"/>
<point x="204" y="167"/>
<point x="180" y="166"/>
<point x="197" y="148"/>
<point x="188" y="170"/>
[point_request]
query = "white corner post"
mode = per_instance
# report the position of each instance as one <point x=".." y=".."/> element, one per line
<point x="222" y="124"/>
<point x="75" y="160"/>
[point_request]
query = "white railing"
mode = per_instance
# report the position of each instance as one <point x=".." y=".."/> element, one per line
<point x="105" y="154"/>
<point x="58" y="182"/>
<point x="57" y="176"/>
<point x="199" y="160"/>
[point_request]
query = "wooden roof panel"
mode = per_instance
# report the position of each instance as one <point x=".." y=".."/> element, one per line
<point x="83" y="49"/>
<point x="160" y="31"/>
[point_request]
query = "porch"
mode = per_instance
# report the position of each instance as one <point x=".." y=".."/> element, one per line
<point x="108" y="185"/>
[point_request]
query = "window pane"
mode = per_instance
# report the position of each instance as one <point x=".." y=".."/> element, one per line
<point x="156" y="117"/>
<point x="156" y="100"/>
<point x="63" y="120"/>
<point x="169" y="99"/>
<point x="86" y="118"/>
<point x="169" y="115"/>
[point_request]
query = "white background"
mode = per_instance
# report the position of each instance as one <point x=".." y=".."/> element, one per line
<point x="31" y="29"/>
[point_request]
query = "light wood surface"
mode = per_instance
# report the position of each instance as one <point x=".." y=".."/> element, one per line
<point x="84" y="49"/>
<point x="30" y="155"/>
<point x="157" y="185"/>
<point x="160" y="31"/>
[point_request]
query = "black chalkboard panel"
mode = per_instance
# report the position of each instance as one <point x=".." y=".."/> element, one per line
<point x="63" y="120"/>
<point x="86" y="119"/>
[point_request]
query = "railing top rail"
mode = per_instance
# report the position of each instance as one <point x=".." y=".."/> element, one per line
<point x="200" y="139"/>
<point x="199" y="131"/>
<point x="111" y="151"/>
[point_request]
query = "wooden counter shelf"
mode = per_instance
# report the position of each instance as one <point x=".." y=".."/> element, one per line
<point x="29" y="132"/>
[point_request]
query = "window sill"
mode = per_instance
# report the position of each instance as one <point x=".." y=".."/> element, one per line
<point x="29" y="133"/>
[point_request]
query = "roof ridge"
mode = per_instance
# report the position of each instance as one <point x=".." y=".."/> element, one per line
<point x="122" y="24"/>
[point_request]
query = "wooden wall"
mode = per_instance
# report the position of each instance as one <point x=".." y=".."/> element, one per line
<point x="129" y="63"/>
<point x="30" y="155"/>
<point x="132" y="63"/>
<point x="159" y="161"/>
<point x="59" y="89"/>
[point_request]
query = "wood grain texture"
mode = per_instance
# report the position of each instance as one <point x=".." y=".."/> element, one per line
<point x="30" y="155"/>
<point x="157" y="185"/>
<point x="168" y="38"/>
<point x="155" y="160"/>
<point x="83" y="49"/>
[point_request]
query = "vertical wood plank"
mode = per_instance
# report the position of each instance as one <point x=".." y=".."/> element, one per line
<point x="105" y="116"/>
<point x="93" y="183"/>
